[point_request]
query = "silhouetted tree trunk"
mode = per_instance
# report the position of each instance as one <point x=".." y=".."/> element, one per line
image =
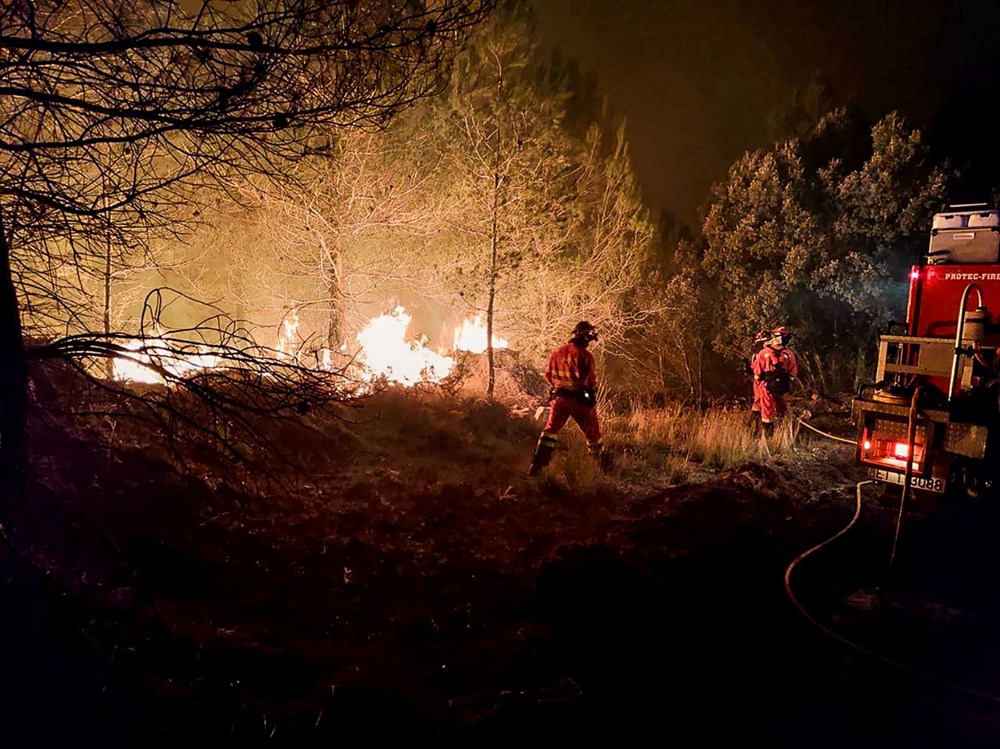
<point x="13" y="386"/>
<point x="332" y="273"/>
<point x="109" y="364"/>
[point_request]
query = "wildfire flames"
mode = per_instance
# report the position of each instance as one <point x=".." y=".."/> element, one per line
<point x="471" y="336"/>
<point x="150" y="356"/>
<point x="384" y="352"/>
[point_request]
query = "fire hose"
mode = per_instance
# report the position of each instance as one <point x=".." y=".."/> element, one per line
<point x="807" y="425"/>
<point x="911" y="438"/>
<point x="867" y="652"/>
<point x="908" y="473"/>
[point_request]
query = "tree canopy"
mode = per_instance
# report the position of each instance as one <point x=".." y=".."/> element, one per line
<point x="801" y="235"/>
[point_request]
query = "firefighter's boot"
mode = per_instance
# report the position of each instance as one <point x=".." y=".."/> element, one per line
<point x="767" y="428"/>
<point x="601" y="456"/>
<point x="543" y="453"/>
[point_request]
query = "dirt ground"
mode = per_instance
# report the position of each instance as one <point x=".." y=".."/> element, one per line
<point x="407" y="581"/>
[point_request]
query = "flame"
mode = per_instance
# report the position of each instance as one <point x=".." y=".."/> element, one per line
<point x="386" y="353"/>
<point x="148" y="355"/>
<point x="470" y="336"/>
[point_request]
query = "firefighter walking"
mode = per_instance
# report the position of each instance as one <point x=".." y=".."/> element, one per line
<point x="573" y="381"/>
<point x="774" y="368"/>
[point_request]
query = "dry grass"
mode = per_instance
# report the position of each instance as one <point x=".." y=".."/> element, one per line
<point x="579" y="468"/>
<point x="728" y="438"/>
<point x="677" y="439"/>
<point x="423" y="437"/>
<point x="672" y="445"/>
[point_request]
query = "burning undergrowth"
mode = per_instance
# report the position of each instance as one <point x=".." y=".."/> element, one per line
<point x="387" y="350"/>
<point x="213" y="389"/>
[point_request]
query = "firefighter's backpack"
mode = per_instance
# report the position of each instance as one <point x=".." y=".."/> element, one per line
<point x="777" y="381"/>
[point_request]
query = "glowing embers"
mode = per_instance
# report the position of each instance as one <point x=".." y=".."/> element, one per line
<point x="385" y="352"/>
<point x="470" y="336"/>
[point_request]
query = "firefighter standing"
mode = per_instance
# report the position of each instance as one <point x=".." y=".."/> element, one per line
<point x="573" y="381"/>
<point x="758" y="344"/>
<point x="774" y="368"/>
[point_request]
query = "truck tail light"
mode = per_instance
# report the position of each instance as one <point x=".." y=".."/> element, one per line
<point x="891" y="453"/>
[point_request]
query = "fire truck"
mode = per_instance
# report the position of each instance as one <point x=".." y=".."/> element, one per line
<point x="931" y="419"/>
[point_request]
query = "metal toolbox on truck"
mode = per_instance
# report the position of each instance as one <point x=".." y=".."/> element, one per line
<point x="965" y="237"/>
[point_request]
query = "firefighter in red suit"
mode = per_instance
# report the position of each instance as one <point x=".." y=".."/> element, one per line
<point x="573" y="381"/>
<point x="758" y="343"/>
<point x="774" y="368"/>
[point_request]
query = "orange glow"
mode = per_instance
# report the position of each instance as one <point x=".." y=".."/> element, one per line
<point x="287" y="335"/>
<point x="892" y="454"/>
<point x="385" y="352"/>
<point x="471" y="336"/>
<point x="148" y="356"/>
<point x="897" y="463"/>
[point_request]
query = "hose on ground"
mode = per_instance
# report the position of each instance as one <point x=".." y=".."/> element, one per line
<point x="807" y="425"/>
<point x="930" y="678"/>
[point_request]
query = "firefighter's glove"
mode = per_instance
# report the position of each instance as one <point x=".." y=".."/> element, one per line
<point x="590" y="397"/>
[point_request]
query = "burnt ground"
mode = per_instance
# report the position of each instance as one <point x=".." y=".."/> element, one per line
<point x="410" y="583"/>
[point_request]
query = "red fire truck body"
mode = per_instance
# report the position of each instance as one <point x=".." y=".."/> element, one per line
<point x="936" y="292"/>
<point x="931" y="420"/>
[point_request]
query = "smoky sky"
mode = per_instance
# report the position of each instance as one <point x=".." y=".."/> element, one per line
<point x="698" y="80"/>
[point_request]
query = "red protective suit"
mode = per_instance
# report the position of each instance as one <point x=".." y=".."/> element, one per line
<point x="562" y="410"/>
<point x="757" y="384"/>
<point x="571" y="367"/>
<point x="768" y="359"/>
<point x="571" y="374"/>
